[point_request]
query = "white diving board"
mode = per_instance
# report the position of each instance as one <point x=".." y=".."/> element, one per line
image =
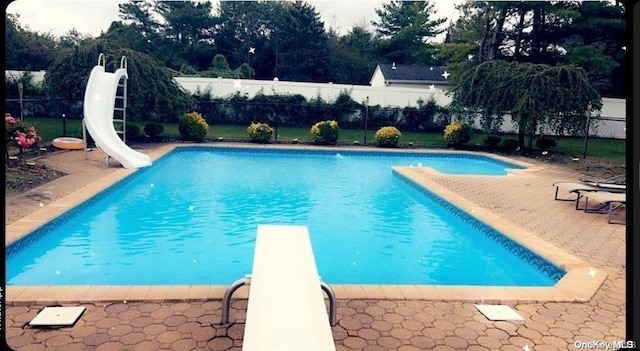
<point x="286" y="309"/>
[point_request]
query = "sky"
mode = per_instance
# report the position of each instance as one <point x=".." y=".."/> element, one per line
<point x="94" y="16"/>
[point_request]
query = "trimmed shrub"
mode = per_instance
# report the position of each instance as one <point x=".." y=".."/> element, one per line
<point x="153" y="129"/>
<point x="492" y="141"/>
<point x="325" y="133"/>
<point x="388" y="136"/>
<point x="509" y="144"/>
<point x="192" y="127"/>
<point x="545" y="143"/>
<point x="132" y="132"/>
<point x="457" y="133"/>
<point x="260" y="132"/>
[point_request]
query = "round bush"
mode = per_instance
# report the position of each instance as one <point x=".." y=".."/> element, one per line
<point x="325" y="133"/>
<point x="509" y="144"/>
<point x="260" y="132"/>
<point x="132" y="132"/>
<point x="492" y="141"/>
<point x="387" y="136"/>
<point x="192" y="127"/>
<point x="153" y="129"/>
<point x="457" y="133"/>
<point x="545" y="143"/>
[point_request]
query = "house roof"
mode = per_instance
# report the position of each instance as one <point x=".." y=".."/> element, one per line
<point x="412" y="73"/>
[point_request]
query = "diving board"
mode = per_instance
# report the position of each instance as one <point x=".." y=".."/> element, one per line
<point x="286" y="309"/>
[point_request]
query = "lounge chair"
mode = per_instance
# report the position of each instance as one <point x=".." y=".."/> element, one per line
<point x="620" y="179"/>
<point x="607" y="202"/>
<point x="577" y="187"/>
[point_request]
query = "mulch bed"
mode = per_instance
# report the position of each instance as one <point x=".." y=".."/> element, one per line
<point x="26" y="172"/>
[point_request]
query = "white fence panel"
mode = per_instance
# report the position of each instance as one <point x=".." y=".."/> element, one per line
<point x="610" y="125"/>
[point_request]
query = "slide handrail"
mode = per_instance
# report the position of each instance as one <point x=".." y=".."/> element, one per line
<point x="123" y="62"/>
<point x="101" y="59"/>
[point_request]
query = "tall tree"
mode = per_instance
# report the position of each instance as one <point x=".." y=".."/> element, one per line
<point x="188" y="27"/>
<point x="405" y="29"/>
<point x="243" y="25"/>
<point x="24" y="49"/>
<point x="71" y="39"/>
<point x="352" y="57"/>
<point x="584" y="33"/>
<point x="302" y="43"/>
<point x="597" y="42"/>
<point x="140" y="15"/>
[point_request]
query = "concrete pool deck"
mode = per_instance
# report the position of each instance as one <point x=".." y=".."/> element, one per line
<point x="590" y="307"/>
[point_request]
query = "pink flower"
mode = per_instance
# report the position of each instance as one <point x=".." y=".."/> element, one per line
<point x="26" y="140"/>
<point x="10" y="120"/>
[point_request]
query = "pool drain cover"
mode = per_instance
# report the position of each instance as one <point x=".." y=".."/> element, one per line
<point x="499" y="313"/>
<point x="57" y="317"/>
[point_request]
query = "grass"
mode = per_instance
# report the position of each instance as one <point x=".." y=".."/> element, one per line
<point x="612" y="150"/>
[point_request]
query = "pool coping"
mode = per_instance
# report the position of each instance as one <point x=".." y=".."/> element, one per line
<point x="579" y="284"/>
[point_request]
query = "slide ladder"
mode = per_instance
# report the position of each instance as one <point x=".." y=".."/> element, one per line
<point x="120" y="108"/>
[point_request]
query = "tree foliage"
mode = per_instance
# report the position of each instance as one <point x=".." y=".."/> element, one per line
<point x="405" y="29"/>
<point x="264" y="39"/>
<point x="24" y="49"/>
<point x="152" y="95"/>
<point x="352" y="56"/>
<point x="302" y="44"/>
<point x="583" y="33"/>
<point x="535" y="95"/>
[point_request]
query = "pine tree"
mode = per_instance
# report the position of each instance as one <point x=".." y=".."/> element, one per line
<point x="405" y="29"/>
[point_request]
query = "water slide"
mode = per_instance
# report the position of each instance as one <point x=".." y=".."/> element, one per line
<point x="99" y="104"/>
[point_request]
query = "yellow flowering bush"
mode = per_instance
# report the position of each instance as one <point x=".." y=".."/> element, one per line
<point x="325" y="132"/>
<point x="457" y="133"/>
<point x="192" y="127"/>
<point x="388" y="136"/>
<point x="260" y="132"/>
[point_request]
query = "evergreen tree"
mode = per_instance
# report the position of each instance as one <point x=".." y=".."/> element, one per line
<point x="405" y="29"/>
<point x="597" y="42"/>
<point x="243" y="25"/>
<point x="139" y="17"/>
<point x="26" y="50"/>
<point x="302" y="45"/>
<point x="352" y="57"/>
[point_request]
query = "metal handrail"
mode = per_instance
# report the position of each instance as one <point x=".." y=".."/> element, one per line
<point x="123" y="62"/>
<point x="226" y="300"/>
<point x="101" y="58"/>
<point x="333" y="303"/>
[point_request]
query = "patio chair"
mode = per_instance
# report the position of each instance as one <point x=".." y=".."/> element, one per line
<point x="577" y="187"/>
<point x="607" y="202"/>
<point x="620" y="179"/>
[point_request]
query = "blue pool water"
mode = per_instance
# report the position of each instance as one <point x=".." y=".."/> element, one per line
<point x="191" y="218"/>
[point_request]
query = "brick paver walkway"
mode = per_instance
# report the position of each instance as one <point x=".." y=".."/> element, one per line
<point x="526" y="200"/>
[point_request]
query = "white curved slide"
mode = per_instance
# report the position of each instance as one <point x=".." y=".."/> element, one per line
<point x="99" y="104"/>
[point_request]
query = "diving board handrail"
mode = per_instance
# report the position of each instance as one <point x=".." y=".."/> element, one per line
<point x="226" y="299"/>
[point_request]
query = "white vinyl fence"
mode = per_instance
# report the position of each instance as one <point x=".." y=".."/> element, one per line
<point x="611" y="120"/>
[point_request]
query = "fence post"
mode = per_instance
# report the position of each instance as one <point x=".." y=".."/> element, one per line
<point x="586" y="131"/>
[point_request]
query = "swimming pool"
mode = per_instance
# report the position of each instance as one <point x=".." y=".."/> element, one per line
<point x="170" y="224"/>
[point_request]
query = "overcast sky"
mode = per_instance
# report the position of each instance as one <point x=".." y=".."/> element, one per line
<point x="94" y="16"/>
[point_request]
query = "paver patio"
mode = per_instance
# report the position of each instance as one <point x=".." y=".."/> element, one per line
<point x="364" y="324"/>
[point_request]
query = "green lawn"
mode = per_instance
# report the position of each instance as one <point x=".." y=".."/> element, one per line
<point x="612" y="150"/>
